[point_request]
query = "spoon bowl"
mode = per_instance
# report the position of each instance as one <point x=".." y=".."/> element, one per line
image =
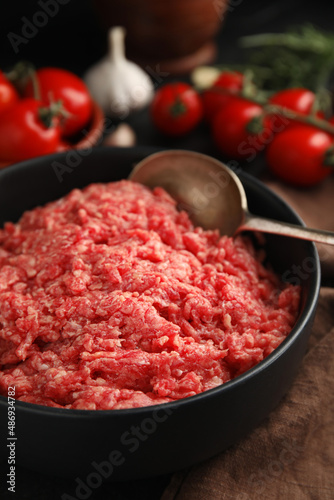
<point x="209" y="191"/>
<point x="213" y="195"/>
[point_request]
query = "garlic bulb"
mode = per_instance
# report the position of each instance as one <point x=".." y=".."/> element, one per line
<point x="118" y="85"/>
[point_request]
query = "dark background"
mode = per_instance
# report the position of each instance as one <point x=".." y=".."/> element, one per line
<point x="73" y="39"/>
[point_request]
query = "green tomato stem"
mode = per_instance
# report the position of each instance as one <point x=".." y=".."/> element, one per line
<point x="268" y="108"/>
<point x="20" y="75"/>
<point x="305" y="119"/>
<point x="177" y="109"/>
<point x="48" y="113"/>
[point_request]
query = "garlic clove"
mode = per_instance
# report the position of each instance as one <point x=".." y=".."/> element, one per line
<point x="203" y="77"/>
<point x="117" y="84"/>
<point x="123" y="136"/>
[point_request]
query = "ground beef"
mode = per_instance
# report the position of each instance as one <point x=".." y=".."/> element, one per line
<point x="110" y="298"/>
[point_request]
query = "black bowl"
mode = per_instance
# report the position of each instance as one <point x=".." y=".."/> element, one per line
<point x="143" y="442"/>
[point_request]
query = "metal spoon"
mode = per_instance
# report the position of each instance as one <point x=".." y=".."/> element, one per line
<point x="212" y="194"/>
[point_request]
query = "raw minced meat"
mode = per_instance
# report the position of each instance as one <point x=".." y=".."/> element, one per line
<point x="110" y="298"/>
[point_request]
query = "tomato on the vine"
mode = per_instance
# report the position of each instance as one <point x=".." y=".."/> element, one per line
<point x="176" y="109"/>
<point x="231" y="129"/>
<point x="297" y="99"/>
<point x="300" y="155"/>
<point x="58" y="84"/>
<point x="215" y="97"/>
<point x="28" y="129"/>
<point x="8" y="93"/>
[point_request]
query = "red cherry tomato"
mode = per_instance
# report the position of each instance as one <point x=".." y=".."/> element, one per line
<point x="8" y="93"/>
<point x="298" y="155"/>
<point x="299" y="100"/>
<point x="214" y="98"/>
<point x="176" y="109"/>
<point x="230" y="80"/>
<point x="58" y="84"/>
<point x="23" y="134"/>
<point x="230" y="129"/>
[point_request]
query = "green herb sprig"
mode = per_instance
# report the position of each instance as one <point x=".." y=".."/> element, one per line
<point x="302" y="56"/>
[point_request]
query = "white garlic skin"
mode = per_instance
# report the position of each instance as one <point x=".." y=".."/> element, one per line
<point x="98" y="82"/>
<point x="122" y="137"/>
<point x="118" y="85"/>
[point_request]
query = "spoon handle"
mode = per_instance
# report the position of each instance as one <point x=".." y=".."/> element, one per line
<point x="254" y="223"/>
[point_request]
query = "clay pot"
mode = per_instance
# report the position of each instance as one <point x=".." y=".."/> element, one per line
<point x="176" y="34"/>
